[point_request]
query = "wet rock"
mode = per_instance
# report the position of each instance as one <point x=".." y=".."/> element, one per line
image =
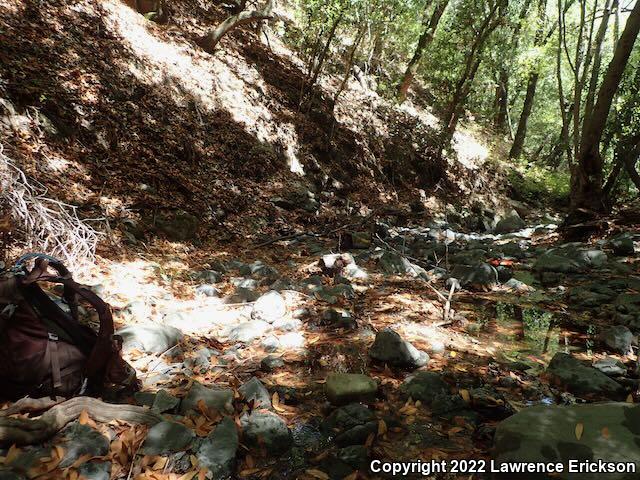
<point x="391" y="349"/>
<point x="82" y="440"/>
<point x="270" y="363"/>
<point x="581" y="379"/>
<point x="510" y="223"/>
<point x="249" y="331"/>
<point x="610" y="366"/>
<point x="347" y="417"/>
<point x="255" y="391"/>
<point x="150" y="338"/>
<point x="481" y="276"/>
<point x="269" y="307"/>
<point x="217" y="451"/>
<point x="622" y="245"/>
<point x="424" y="386"/>
<point x="446" y="405"/>
<point x="218" y="400"/>
<point x="618" y="338"/>
<point x="342" y="388"/>
<point x="548" y="434"/>
<point x="490" y="403"/>
<point x="207" y="291"/>
<point x="262" y="429"/>
<point x="167" y="437"/>
<point x="178" y="226"/>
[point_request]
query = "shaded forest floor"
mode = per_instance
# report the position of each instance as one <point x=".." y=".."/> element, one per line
<point x="215" y="188"/>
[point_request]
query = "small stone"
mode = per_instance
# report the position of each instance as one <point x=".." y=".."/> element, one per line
<point x="270" y="363"/>
<point x="342" y="388"/>
<point x="262" y="429"/>
<point x="339" y="318"/>
<point x="207" y="291"/>
<point x="510" y="223"/>
<point x="82" y="440"/>
<point x="255" y="391"/>
<point x="167" y="437"/>
<point x="610" y="366"/>
<point x="249" y="331"/>
<point x="618" y="338"/>
<point x="150" y="338"/>
<point x="424" y="386"/>
<point x="94" y="470"/>
<point x="164" y="402"/>
<point x="217" y="451"/>
<point x="292" y="341"/>
<point x="622" y="245"/>
<point x="218" y="400"/>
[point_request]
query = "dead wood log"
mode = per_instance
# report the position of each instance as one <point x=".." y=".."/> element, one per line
<point x="27" y="431"/>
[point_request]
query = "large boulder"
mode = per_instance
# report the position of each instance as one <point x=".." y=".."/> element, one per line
<point x="391" y="349"/>
<point x="618" y="338"/>
<point x="342" y="388"/>
<point x="150" y="338"/>
<point x="510" y="223"/>
<point x="609" y="432"/>
<point x="551" y="262"/>
<point x="581" y="379"/>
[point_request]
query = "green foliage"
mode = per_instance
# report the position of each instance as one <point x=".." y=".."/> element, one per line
<point x="538" y="184"/>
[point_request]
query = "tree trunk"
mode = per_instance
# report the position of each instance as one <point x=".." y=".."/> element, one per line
<point x="532" y="85"/>
<point x="423" y="42"/>
<point x="587" y="177"/>
<point x="474" y="58"/>
<point x="502" y="99"/>
<point x="209" y="42"/>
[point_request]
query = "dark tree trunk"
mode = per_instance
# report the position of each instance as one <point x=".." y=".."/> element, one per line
<point x="423" y="42"/>
<point x="587" y="176"/>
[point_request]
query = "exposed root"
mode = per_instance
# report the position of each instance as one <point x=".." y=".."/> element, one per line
<point x="48" y="225"/>
<point x="27" y="431"/>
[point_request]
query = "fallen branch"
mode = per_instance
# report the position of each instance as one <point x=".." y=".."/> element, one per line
<point x="28" y="431"/>
<point x="209" y="42"/>
<point x="31" y="405"/>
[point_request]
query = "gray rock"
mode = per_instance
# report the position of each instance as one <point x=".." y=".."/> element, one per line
<point x="618" y="338"/>
<point x="270" y="363"/>
<point x="354" y="272"/>
<point x="209" y="276"/>
<point x="424" y="386"/>
<point x="219" y="400"/>
<point x="391" y="349"/>
<point x="287" y="324"/>
<point x="262" y="429"/>
<point x="243" y="295"/>
<point x="256" y="391"/>
<point x="342" y="388"/>
<point x="292" y="341"/>
<point x="82" y="440"/>
<point x="249" y="331"/>
<point x="150" y="338"/>
<point x="217" y="451"/>
<point x="510" y="223"/>
<point x="164" y="402"/>
<point x="95" y="470"/>
<point x="610" y="366"/>
<point x="269" y="307"/>
<point x="481" y="276"/>
<point x="622" y="245"/>
<point x="167" y="437"/>
<point x="270" y="344"/>
<point x="207" y="291"/>
<point x="548" y="434"/>
<point x="581" y="379"/>
<point x="178" y="226"/>
<point x="356" y="456"/>
<point x="392" y="263"/>
<point x="551" y="262"/>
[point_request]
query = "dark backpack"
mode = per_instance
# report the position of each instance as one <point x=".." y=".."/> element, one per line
<point x="45" y="351"/>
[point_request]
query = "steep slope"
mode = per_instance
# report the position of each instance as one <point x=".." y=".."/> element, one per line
<point x="130" y="120"/>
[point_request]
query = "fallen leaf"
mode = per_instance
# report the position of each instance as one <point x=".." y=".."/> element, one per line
<point x="579" y="430"/>
<point x="382" y="428"/>
<point x="605" y="432"/>
<point x="465" y="395"/>
<point x="630" y="398"/>
<point x="317" y="474"/>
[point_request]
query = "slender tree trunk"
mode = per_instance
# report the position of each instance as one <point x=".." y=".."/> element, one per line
<point x="474" y="58"/>
<point x="211" y="40"/>
<point x="587" y="177"/>
<point x="424" y="41"/>
<point x="532" y="85"/>
<point x="502" y="99"/>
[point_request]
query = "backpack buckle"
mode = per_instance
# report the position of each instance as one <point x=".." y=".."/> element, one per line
<point x="53" y="337"/>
